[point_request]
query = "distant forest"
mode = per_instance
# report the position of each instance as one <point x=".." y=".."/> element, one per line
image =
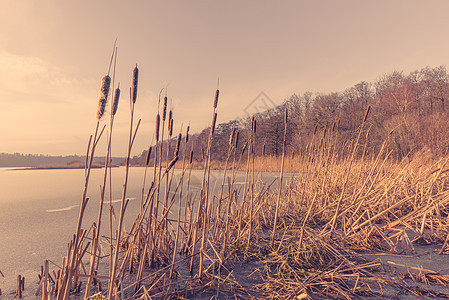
<point x="412" y="107"/>
<point x="32" y="160"/>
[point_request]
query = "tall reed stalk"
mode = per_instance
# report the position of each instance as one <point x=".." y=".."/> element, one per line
<point x="276" y="213"/>
<point x="132" y="135"/>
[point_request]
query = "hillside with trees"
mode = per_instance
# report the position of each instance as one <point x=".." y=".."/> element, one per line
<point x="412" y="107"/>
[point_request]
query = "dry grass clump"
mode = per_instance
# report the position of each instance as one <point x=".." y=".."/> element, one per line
<point x="373" y="204"/>
<point x="300" y="234"/>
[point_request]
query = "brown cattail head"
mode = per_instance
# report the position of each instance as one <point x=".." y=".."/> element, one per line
<point x="191" y="157"/>
<point x="214" y="120"/>
<point x="253" y="125"/>
<point x="158" y="123"/>
<point x="178" y="144"/>
<point x="148" y="156"/>
<point x="164" y="110"/>
<point x="286" y="115"/>
<point x="170" y="116"/>
<point x="231" y="137"/>
<point x="293" y="155"/>
<point x="366" y="113"/>
<point x="104" y="91"/>
<point x="333" y="126"/>
<point x="314" y="130"/>
<point x="170" y="127"/>
<point x="134" y="87"/>
<point x="236" y="139"/>
<point x="263" y="150"/>
<point x="116" y="98"/>
<point x="187" y="134"/>
<point x="217" y="92"/>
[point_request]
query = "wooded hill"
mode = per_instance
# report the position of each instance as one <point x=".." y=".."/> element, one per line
<point x="411" y="106"/>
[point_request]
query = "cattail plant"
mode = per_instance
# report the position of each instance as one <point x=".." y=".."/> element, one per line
<point x="204" y="200"/>
<point x="132" y="134"/>
<point x="94" y="262"/>
<point x="251" y="209"/>
<point x="76" y="252"/>
<point x="164" y="114"/>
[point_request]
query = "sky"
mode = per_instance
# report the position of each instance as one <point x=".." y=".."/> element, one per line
<point x="54" y="53"/>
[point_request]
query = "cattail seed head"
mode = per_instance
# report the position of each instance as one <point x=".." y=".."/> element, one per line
<point x="116" y="99"/>
<point x="253" y="125"/>
<point x="236" y="139"/>
<point x="148" y="156"/>
<point x="286" y="116"/>
<point x="187" y="134"/>
<point x="263" y="150"/>
<point x="314" y="130"/>
<point x="191" y="157"/>
<point x="231" y="137"/>
<point x="164" y="110"/>
<point x="158" y="123"/>
<point x="333" y="126"/>
<point x="366" y="113"/>
<point x="217" y="92"/>
<point x="214" y="120"/>
<point x="293" y="155"/>
<point x="178" y="144"/>
<point x="170" y="116"/>
<point x="104" y="91"/>
<point x="170" y="127"/>
<point x="134" y="87"/>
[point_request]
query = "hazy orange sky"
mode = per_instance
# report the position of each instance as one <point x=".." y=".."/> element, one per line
<point x="53" y="54"/>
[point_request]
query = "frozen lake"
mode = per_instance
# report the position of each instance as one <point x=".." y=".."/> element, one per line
<point x="39" y="211"/>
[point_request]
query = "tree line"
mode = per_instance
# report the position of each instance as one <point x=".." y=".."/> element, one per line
<point x="411" y="109"/>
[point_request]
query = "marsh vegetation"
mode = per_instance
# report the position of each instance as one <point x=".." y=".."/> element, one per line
<point x="300" y="236"/>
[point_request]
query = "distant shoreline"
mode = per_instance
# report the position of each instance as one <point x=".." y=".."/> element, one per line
<point x="62" y="167"/>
